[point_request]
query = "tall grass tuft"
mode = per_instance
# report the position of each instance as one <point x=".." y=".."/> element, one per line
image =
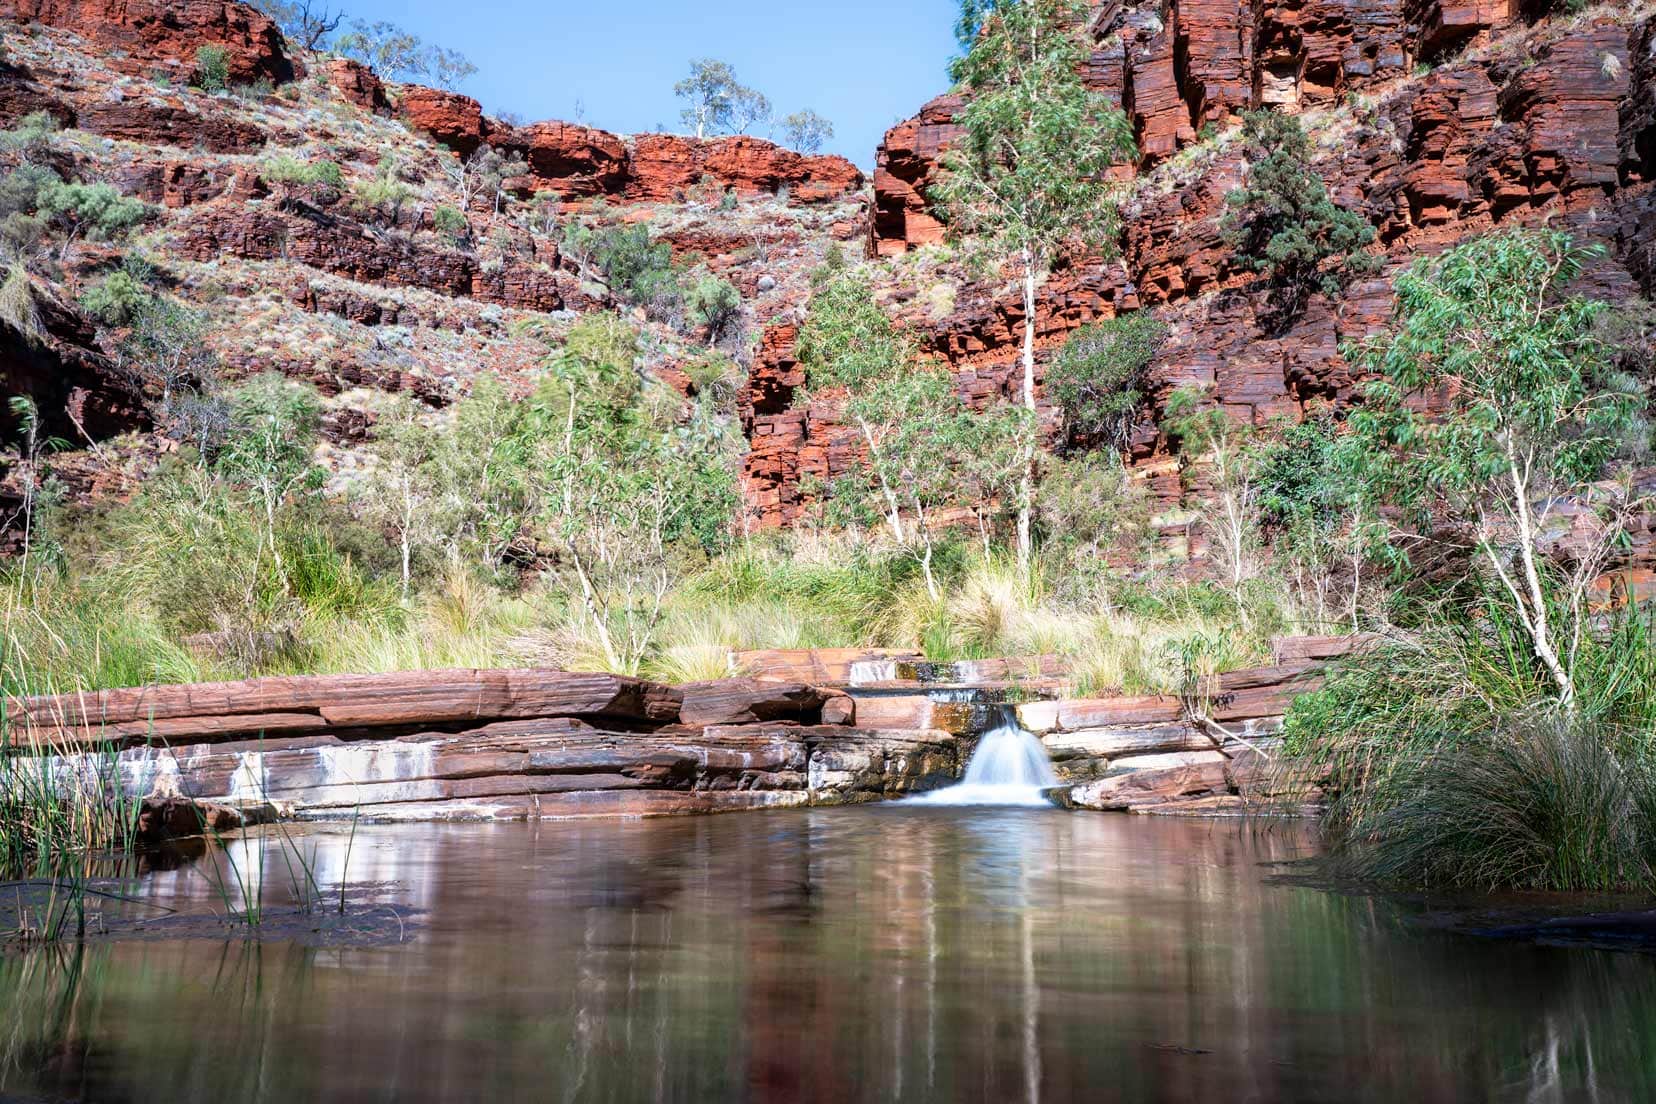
<point x="1447" y="762"/>
<point x="1542" y="804"/>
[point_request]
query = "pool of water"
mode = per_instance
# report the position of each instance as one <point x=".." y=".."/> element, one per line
<point x="864" y="954"/>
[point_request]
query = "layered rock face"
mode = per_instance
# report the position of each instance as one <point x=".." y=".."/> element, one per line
<point x="1436" y="119"/>
<point x="489" y="744"/>
<point x="169" y="32"/>
<point x="579" y="162"/>
<point x="526" y="744"/>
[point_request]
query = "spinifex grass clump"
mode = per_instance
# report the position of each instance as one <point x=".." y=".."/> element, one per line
<point x="1543" y="804"/>
<point x="1447" y="765"/>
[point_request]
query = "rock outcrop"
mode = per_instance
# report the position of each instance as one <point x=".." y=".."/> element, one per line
<point x="1438" y="120"/>
<point x="448" y="744"/>
<point x="544" y="743"/>
<point x="579" y="162"/>
<point x="169" y="32"/>
<point x="57" y="362"/>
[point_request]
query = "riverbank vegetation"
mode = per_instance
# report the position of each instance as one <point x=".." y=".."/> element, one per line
<point x="1502" y="736"/>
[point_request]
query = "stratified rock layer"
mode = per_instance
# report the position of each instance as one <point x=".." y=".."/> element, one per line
<point x="169" y="32"/>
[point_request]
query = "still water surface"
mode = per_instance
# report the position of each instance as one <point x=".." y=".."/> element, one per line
<point x="846" y="955"/>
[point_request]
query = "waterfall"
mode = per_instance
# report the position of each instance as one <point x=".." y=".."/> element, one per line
<point x="1010" y="767"/>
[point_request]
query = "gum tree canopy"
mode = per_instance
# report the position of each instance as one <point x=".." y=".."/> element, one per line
<point x="1027" y="179"/>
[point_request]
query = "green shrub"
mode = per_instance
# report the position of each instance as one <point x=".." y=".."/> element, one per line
<point x="291" y="170"/>
<point x="116" y="300"/>
<point x="212" y="72"/>
<point x="639" y="269"/>
<point x="1539" y="805"/>
<point x="1097" y="379"/>
<point x="96" y="210"/>
<point x="450" y="223"/>
<point x="1282" y="223"/>
<point x="20" y="188"/>
<point x="31" y="136"/>
<point x="714" y="303"/>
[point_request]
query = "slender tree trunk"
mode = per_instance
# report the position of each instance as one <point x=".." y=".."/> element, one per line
<point x="894" y="517"/>
<point x="1026" y="487"/>
<point x="1544" y="647"/>
<point x="589" y="598"/>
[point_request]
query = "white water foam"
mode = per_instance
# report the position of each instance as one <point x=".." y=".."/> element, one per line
<point x="1010" y="767"/>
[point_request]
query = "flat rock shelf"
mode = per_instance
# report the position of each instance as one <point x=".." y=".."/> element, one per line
<point x="547" y="744"/>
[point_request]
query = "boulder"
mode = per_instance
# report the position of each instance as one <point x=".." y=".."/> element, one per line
<point x="449" y="118"/>
<point x="358" y="84"/>
<point x="1153" y="780"/>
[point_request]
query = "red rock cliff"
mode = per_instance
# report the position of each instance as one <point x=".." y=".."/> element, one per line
<point x="168" y="32"/>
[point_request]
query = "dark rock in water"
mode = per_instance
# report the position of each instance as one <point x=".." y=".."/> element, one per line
<point x="168" y="818"/>
<point x="1629" y="930"/>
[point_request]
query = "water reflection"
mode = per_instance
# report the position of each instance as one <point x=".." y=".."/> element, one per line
<point x="836" y="955"/>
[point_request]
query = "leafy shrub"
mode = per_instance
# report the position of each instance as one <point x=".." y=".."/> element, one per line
<point x="116" y="300"/>
<point x="634" y="262"/>
<point x="450" y="223"/>
<point x="714" y="303"/>
<point x="1097" y="378"/>
<point x="212" y="68"/>
<point x="383" y="193"/>
<point x="32" y="136"/>
<point x="20" y="188"/>
<point x="291" y="170"/>
<point x="96" y="210"/>
<point x="1282" y="223"/>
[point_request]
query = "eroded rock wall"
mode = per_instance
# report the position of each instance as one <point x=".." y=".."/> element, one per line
<point x="1436" y="119"/>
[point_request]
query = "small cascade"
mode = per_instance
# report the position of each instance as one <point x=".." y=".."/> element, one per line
<point x="1010" y="767"/>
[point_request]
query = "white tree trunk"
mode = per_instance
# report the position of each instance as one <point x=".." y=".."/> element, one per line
<point x="1026" y="488"/>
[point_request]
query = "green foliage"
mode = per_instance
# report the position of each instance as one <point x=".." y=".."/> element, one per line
<point x="291" y="170"/>
<point x="807" y="132"/>
<point x="1531" y="410"/>
<point x="1442" y="772"/>
<point x="118" y="299"/>
<point x="1491" y="322"/>
<point x="450" y="223"/>
<point x="926" y="450"/>
<point x="166" y="354"/>
<point x="717" y="102"/>
<point x="31" y="137"/>
<point x="96" y="210"/>
<point x="1028" y="178"/>
<point x="847" y="340"/>
<point x="383" y="193"/>
<point x="20" y="188"/>
<point x="1097" y="378"/>
<point x="639" y="269"/>
<point x="715" y="304"/>
<point x="1028" y="175"/>
<point x="1282" y="223"/>
<point x="388" y="49"/>
<point x="212" y="73"/>
<point x="275" y="424"/>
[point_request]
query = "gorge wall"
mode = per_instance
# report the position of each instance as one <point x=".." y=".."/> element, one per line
<point x="1436" y="119"/>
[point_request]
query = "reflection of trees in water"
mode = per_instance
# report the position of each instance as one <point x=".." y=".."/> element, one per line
<point x="844" y="955"/>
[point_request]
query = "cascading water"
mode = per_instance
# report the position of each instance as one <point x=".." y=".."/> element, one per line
<point x="1010" y="767"/>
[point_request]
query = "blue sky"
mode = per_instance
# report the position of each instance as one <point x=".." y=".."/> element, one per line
<point x="865" y="64"/>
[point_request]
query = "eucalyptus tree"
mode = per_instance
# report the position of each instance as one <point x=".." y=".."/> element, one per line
<point x="927" y="451"/>
<point x="1494" y="402"/>
<point x="1028" y="178"/>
